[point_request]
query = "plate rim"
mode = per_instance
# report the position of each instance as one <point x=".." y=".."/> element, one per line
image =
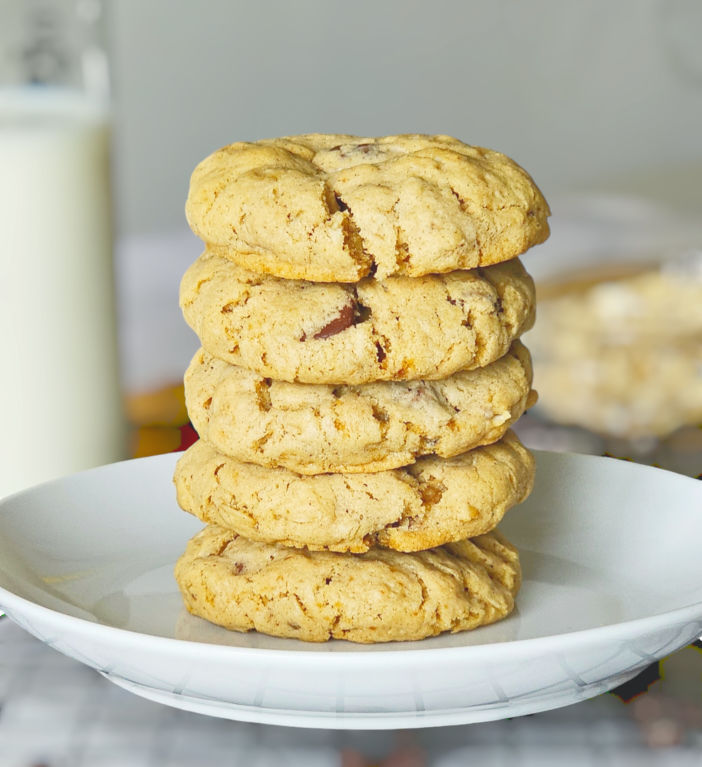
<point x="521" y="647"/>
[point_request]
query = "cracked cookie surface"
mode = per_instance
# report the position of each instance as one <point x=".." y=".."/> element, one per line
<point x="337" y="208"/>
<point x="378" y="596"/>
<point x="399" y="329"/>
<point x="316" y="428"/>
<point x="433" y="502"/>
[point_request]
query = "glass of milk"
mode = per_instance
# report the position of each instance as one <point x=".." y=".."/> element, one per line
<point x="59" y="380"/>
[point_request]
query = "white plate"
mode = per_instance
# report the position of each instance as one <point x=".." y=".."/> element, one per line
<point x="612" y="581"/>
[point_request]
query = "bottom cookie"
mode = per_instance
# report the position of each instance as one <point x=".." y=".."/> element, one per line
<point x="377" y="596"/>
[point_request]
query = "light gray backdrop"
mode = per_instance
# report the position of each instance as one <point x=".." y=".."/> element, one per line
<point x="597" y="94"/>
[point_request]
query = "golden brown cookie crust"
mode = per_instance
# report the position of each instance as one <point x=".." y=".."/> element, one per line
<point x="337" y="208"/>
<point x="317" y="428"/>
<point x="399" y="329"/>
<point x="379" y="596"/>
<point x="433" y="502"/>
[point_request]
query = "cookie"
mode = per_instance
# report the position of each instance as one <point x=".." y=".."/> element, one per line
<point x="379" y="596"/>
<point x="399" y="329"/>
<point x="621" y="354"/>
<point x="315" y="428"/>
<point x="332" y="208"/>
<point x="433" y="502"/>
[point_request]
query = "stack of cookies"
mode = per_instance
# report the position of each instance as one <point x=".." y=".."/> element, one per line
<point x="359" y="305"/>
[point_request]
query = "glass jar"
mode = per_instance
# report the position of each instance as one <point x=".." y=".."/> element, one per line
<point x="59" y="387"/>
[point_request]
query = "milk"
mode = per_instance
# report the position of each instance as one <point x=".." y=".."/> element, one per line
<point x="60" y="405"/>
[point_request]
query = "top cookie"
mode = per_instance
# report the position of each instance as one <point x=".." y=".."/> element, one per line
<point x="337" y="208"/>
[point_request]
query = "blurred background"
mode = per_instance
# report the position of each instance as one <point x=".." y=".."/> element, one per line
<point x="601" y="102"/>
<point x="586" y="96"/>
